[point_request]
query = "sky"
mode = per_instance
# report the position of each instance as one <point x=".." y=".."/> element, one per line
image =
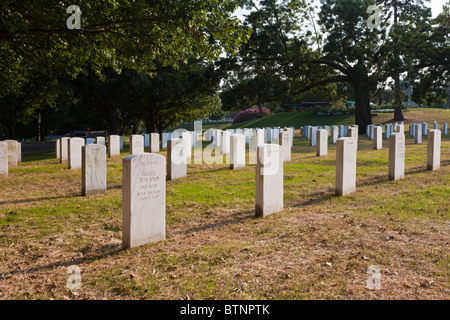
<point x="436" y="7"/>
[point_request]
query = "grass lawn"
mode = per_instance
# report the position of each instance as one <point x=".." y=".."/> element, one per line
<point x="319" y="247"/>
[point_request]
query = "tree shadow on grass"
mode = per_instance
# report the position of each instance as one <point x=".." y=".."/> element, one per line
<point x="239" y="217"/>
<point x="73" y="195"/>
<point x="102" y="252"/>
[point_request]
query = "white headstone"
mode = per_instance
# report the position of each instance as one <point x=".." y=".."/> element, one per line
<point x="114" y="146"/>
<point x="334" y="134"/>
<point x="100" y="140"/>
<point x="146" y="140"/>
<point x="418" y="133"/>
<point x="237" y="149"/>
<point x="313" y="135"/>
<point x="136" y="144"/>
<point x="353" y="132"/>
<point x="3" y="158"/>
<point x="74" y="146"/>
<point x="322" y="143"/>
<point x="64" y="149"/>
<point x="259" y="137"/>
<point x="378" y="138"/>
<point x="12" y="153"/>
<point x="90" y="140"/>
<point x="154" y="142"/>
<point x="285" y="141"/>
<point x="396" y="156"/>
<point x="186" y="138"/>
<point x="225" y="145"/>
<point x="93" y="169"/>
<point x="445" y="128"/>
<point x="58" y="149"/>
<point x="346" y="150"/>
<point x="269" y="180"/>
<point x="144" y="199"/>
<point x="176" y="159"/>
<point x="434" y="150"/>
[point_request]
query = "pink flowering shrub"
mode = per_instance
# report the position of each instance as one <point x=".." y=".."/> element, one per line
<point x="250" y="114"/>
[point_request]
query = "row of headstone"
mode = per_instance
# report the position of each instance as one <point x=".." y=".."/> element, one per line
<point x="144" y="188"/>
<point x="10" y="155"/>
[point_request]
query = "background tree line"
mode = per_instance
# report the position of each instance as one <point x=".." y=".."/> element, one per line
<point x="153" y="63"/>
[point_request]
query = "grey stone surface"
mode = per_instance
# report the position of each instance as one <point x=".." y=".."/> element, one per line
<point x="143" y="199"/>
<point x="58" y="149"/>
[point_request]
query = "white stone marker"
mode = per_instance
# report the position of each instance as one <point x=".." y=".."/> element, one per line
<point x="322" y="143"/>
<point x="313" y="135"/>
<point x="12" y="153"/>
<point x="186" y="138"/>
<point x="353" y="132"/>
<point x="396" y="156"/>
<point x="166" y="137"/>
<point x="424" y="128"/>
<point x="237" y="150"/>
<point x="284" y="138"/>
<point x="136" y="144"/>
<point x="144" y="199"/>
<point x="334" y="134"/>
<point x="445" y="128"/>
<point x="259" y="137"/>
<point x="90" y="140"/>
<point x="3" y="158"/>
<point x="225" y="146"/>
<point x="345" y="166"/>
<point x="269" y="180"/>
<point x="64" y="149"/>
<point x="378" y="138"/>
<point x="434" y="150"/>
<point x="176" y="159"/>
<point x="58" y="149"/>
<point x="121" y="142"/>
<point x="371" y="137"/>
<point x="93" y="169"/>
<point x="19" y="152"/>
<point x="418" y="133"/>
<point x="74" y="146"/>
<point x="146" y="140"/>
<point x="436" y="126"/>
<point x="100" y="140"/>
<point x="114" y="145"/>
<point x="154" y="142"/>
<point x="400" y="129"/>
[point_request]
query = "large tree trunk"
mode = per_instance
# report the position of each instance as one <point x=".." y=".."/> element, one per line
<point x="363" y="116"/>
<point x="398" y="114"/>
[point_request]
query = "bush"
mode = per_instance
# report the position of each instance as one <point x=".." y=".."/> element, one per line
<point x="250" y="114"/>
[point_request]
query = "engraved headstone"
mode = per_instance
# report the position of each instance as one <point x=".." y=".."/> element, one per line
<point x="74" y="146"/>
<point x="396" y="156"/>
<point x="434" y="150"/>
<point x="345" y="166"/>
<point x="144" y="199"/>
